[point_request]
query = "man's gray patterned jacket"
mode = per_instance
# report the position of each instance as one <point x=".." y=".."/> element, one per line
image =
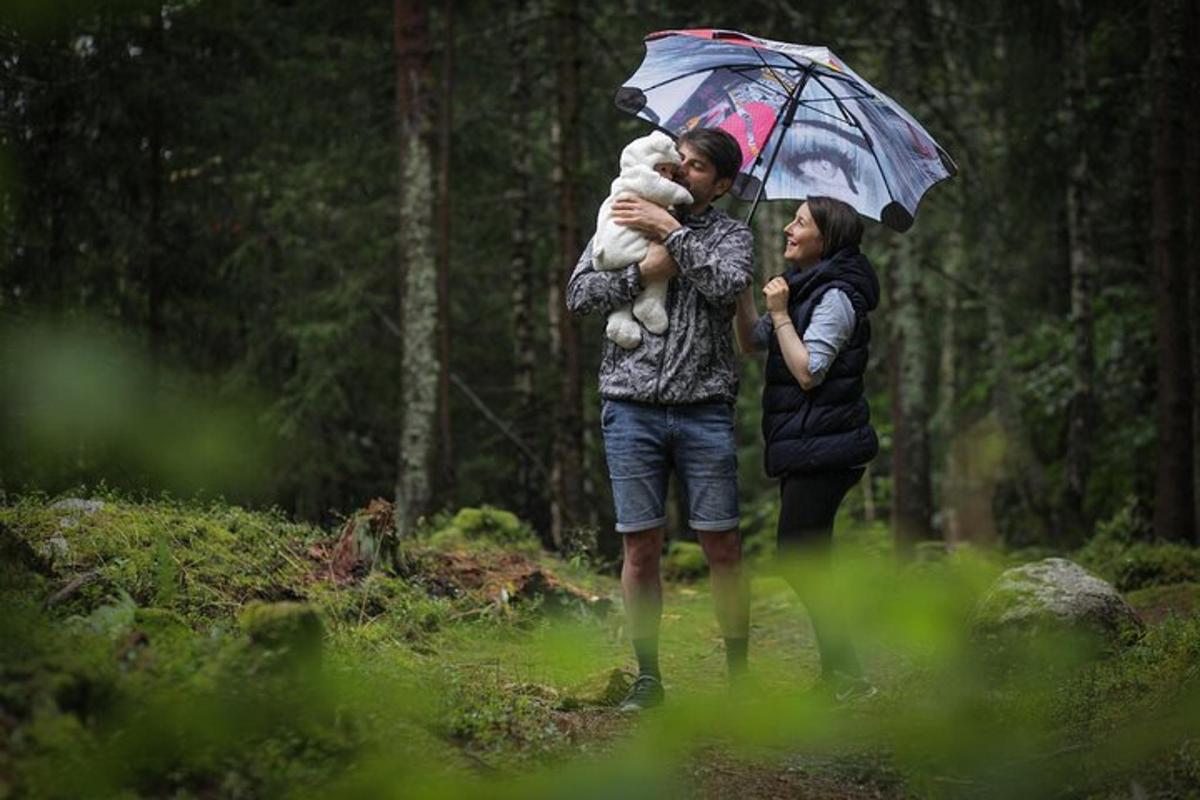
<point x="694" y="360"/>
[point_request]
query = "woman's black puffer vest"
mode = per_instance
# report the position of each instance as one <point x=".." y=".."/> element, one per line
<point x="830" y="426"/>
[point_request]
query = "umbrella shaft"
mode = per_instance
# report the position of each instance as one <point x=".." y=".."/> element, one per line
<point x="789" y="116"/>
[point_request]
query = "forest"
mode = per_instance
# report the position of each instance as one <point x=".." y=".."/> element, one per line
<point x="302" y="484"/>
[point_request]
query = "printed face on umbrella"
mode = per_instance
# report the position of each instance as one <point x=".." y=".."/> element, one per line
<point x="816" y="157"/>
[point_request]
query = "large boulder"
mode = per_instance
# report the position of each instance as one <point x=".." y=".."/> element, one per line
<point x="1055" y="597"/>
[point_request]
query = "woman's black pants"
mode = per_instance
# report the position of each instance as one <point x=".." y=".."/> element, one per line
<point x="809" y="505"/>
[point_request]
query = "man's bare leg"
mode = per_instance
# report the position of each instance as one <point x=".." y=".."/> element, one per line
<point x="641" y="584"/>
<point x="731" y="594"/>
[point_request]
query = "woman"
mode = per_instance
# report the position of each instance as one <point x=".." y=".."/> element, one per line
<point x="816" y="422"/>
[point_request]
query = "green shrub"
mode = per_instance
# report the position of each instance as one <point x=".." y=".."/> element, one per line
<point x="1147" y="564"/>
<point x="684" y="561"/>
<point x="1121" y="553"/>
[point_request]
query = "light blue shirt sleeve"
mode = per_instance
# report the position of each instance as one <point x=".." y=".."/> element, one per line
<point x="830" y="327"/>
<point x="761" y="335"/>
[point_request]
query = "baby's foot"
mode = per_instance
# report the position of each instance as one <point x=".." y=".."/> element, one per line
<point x="624" y="331"/>
<point x="651" y="313"/>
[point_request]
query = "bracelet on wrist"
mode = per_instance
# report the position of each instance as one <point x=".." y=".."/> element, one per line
<point x="784" y="325"/>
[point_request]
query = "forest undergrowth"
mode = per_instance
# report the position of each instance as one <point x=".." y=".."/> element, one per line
<point x="153" y="648"/>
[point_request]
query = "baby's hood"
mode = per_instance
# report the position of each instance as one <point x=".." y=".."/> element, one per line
<point x="654" y="148"/>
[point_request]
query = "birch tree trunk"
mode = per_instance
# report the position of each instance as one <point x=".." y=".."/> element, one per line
<point x="1174" y="501"/>
<point x="445" y="450"/>
<point x="1082" y="413"/>
<point x="418" y="279"/>
<point x="566" y="477"/>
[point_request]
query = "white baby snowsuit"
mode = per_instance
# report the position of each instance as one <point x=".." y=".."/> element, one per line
<point x="617" y="246"/>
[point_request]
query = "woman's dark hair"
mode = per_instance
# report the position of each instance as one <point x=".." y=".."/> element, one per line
<point x="718" y="147"/>
<point x="839" y="224"/>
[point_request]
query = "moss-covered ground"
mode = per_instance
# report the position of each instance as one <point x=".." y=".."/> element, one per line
<point x="155" y="648"/>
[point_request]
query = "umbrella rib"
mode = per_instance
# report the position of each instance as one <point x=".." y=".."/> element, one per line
<point x="834" y="117"/>
<point x="766" y="66"/>
<point x="870" y="143"/>
<point x="758" y="82"/>
<point x="683" y="75"/>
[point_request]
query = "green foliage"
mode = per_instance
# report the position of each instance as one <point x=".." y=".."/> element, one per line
<point x="1120" y="553"/>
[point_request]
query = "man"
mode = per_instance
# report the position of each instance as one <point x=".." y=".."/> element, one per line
<point x="668" y="403"/>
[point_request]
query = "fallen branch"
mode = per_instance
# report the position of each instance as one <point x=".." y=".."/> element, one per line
<point x="73" y="586"/>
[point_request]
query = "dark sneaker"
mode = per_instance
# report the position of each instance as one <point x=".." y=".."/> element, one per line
<point x="853" y="690"/>
<point x="840" y="689"/>
<point x="646" y="692"/>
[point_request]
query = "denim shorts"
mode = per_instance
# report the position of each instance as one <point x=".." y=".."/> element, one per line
<point x="644" y="442"/>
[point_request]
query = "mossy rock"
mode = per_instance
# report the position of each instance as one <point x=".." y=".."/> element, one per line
<point x="484" y="525"/>
<point x="292" y="630"/>
<point x="684" y="561"/>
<point x="1054" y="600"/>
<point x="603" y="689"/>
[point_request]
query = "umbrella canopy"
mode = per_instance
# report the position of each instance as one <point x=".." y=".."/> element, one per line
<point x="807" y="123"/>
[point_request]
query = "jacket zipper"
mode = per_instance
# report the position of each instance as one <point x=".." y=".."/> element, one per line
<point x="662" y="354"/>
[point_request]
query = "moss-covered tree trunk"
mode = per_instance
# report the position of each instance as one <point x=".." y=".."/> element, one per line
<point x="418" y="279"/>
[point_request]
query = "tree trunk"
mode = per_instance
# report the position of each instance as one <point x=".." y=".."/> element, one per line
<point x="1173" y="503"/>
<point x="912" y="502"/>
<point x="418" y="279"/>
<point x="445" y="455"/>
<point x="155" y="250"/>
<point x="1082" y="414"/>
<point x="1191" y="68"/>
<point x="520" y="253"/>
<point x="912" y="492"/>
<point x="945" y="419"/>
<point x="567" y="463"/>
<point x="769" y="221"/>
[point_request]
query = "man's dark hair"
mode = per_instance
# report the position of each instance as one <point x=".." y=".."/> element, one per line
<point x="718" y="147"/>
<point x="839" y="224"/>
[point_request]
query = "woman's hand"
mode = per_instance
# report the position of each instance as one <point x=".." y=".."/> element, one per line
<point x="776" y="293"/>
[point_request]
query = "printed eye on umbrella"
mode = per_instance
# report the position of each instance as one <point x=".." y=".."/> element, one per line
<point x="807" y="123"/>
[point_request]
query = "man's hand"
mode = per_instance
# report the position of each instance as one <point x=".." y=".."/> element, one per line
<point x="644" y="217"/>
<point x="776" y="293"/>
<point x="658" y="265"/>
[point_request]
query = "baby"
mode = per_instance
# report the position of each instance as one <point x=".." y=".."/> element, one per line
<point x="647" y="165"/>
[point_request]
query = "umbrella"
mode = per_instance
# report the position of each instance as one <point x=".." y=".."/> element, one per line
<point x="807" y="123"/>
